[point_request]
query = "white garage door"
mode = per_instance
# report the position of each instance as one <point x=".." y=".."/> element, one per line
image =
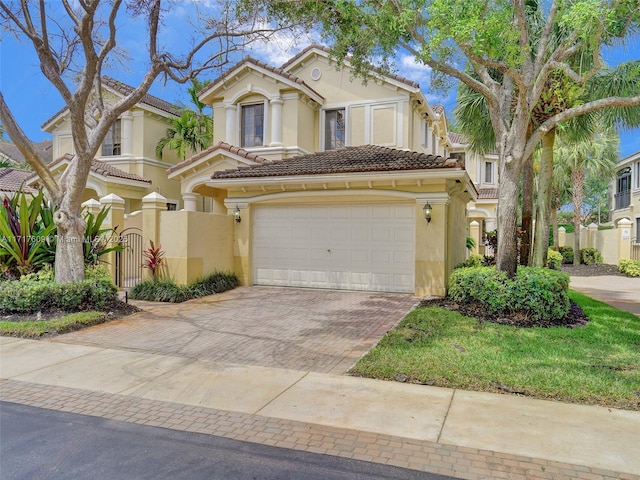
<point x="363" y="247"/>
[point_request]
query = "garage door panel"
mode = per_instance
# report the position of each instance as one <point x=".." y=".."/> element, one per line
<point x="356" y="247"/>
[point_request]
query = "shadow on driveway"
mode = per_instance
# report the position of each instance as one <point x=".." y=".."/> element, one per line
<point x="323" y="331"/>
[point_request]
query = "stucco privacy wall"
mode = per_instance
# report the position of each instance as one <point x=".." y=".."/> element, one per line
<point x="614" y="244"/>
<point x="196" y="244"/>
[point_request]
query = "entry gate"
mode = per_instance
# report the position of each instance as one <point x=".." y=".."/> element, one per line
<point x="129" y="259"/>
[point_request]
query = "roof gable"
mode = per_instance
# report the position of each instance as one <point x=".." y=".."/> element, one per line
<point x="320" y="50"/>
<point x="221" y="147"/>
<point x="217" y="86"/>
<point x="121" y="90"/>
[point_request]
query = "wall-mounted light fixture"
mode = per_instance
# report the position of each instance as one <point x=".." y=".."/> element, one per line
<point x="236" y="214"/>
<point x="427" y="212"/>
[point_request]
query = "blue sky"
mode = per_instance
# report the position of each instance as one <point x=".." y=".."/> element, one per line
<point x="33" y="100"/>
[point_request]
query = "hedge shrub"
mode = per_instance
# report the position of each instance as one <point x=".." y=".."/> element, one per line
<point x="476" y="260"/>
<point x="567" y="254"/>
<point x="590" y="256"/>
<point x="631" y="268"/>
<point x="538" y="293"/>
<point x="554" y="259"/>
<point x="169" y="291"/>
<point x="31" y="296"/>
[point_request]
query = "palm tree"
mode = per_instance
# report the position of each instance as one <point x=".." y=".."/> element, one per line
<point x="186" y="134"/>
<point x="192" y="131"/>
<point x="592" y="156"/>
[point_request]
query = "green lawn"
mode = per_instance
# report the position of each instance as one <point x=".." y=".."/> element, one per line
<point x="62" y="324"/>
<point x="598" y="363"/>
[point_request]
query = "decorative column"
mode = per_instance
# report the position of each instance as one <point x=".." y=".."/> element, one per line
<point x="114" y="220"/>
<point x="276" y="122"/>
<point x="92" y="206"/>
<point x="474" y="232"/>
<point x="152" y="205"/>
<point x="190" y="201"/>
<point x="624" y="238"/>
<point x="562" y="236"/>
<point x="431" y="246"/>
<point x="592" y="231"/>
<point x="231" y="124"/>
<point x="127" y="134"/>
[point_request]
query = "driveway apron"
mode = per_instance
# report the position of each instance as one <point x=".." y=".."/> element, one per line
<point x="323" y="331"/>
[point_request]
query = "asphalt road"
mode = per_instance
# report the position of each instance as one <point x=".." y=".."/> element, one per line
<point x="47" y="444"/>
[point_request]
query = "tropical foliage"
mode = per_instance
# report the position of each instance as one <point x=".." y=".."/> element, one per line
<point x="28" y="235"/>
<point x="192" y="131"/>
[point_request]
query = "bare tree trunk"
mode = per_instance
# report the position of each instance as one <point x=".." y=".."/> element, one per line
<point x="69" y="264"/>
<point x="527" y="211"/>
<point x="577" y="183"/>
<point x="554" y="226"/>
<point x="545" y="186"/>
<point x="507" y="254"/>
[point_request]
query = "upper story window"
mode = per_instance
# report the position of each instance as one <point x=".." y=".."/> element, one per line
<point x="623" y="188"/>
<point x="636" y="176"/>
<point x="334" y="129"/>
<point x="253" y="125"/>
<point x="112" y="143"/>
<point x="425" y="135"/>
<point x="489" y="175"/>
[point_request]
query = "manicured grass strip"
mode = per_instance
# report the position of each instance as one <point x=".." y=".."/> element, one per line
<point x="63" y="324"/>
<point x="598" y="363"/>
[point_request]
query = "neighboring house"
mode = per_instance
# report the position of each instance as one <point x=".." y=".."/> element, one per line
<point x="10" y="153"/>
<point x="483" y="171"/>
<point x="13" y="180"/>
<point x="126" y="164"/>
<point x="626" y="193"/>
<point x="329" y="179"/>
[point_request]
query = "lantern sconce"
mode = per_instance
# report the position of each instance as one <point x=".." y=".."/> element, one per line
<point x="236" y="214"/>
<point x="427" y="212"/>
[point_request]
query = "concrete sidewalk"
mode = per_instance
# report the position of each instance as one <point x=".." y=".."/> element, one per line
<point x="452" y="432"/>
<point x="615" y="290"/>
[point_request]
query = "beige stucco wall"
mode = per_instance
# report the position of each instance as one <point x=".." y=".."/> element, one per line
<point x="439" y="245"/>
<point x="196" y="244"/>
<point x="339" y="86"/>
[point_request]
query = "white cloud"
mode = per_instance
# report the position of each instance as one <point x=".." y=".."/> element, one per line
<point x="281" y="46"/>
<point x="414" y="70"/>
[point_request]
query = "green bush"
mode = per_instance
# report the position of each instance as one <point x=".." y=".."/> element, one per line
<point x="160" y="291"/>
<point x="554" y="259"/>
<point x="590" y="256"/>
<point x="169" y="291"/>
<point x="30" y="296"/>
<point x="538" y="293"/>
<point x="567" y="254"/>
<point x="476" y="260"/>
<point x="631" y="268"/>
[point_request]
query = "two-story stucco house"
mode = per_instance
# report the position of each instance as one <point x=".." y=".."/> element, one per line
<point x="126" y="164"/>
<point x="334" y="183"/>
<point x="626" y="193"/>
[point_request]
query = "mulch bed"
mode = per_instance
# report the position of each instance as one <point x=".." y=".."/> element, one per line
<point x="575" y="317"/>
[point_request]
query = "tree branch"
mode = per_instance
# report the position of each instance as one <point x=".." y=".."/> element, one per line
<point x="583" y="109"/>
<point x="26" y="148"/>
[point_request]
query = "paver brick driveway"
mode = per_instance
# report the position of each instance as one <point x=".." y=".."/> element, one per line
<point x="313" y="330"/>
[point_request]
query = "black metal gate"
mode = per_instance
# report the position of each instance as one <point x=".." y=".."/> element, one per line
<point x="129" y="260"/>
